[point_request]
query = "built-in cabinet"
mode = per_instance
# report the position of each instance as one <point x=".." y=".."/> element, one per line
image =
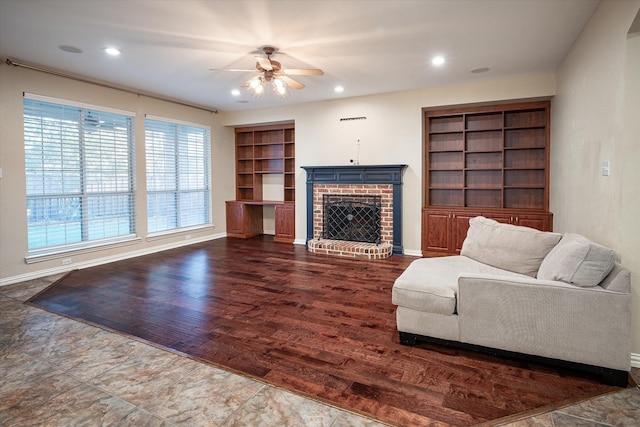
<point x="443" y="231"/>
<point x="262" y="150"/>
<point x="491" y="161"/>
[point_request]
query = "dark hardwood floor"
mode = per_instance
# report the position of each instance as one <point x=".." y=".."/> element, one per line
<point x="321" y="326"/>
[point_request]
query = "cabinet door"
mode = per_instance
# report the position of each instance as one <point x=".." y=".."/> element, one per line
<point x="459" y="228"/>
<point x="503" y="218"/>
<point x="235" y="218"/>
<point x="243" y="220"/>
<point x="436" y="235"/>
<point x="539" y="222"/>
<point x="285" y="223"/>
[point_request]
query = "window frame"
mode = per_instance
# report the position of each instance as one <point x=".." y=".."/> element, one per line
<point x="85" y="194"/>
<point x="160" y="124"/>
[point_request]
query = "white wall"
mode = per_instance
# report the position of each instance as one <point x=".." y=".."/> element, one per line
<point x="13" y="222"/>
<point x="391" y="134"/>
<point x="596" y="117"/>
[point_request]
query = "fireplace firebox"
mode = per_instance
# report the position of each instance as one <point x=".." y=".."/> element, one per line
<point x="352" y="217"/>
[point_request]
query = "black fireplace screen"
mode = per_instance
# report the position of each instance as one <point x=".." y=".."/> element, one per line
<point x="352" y="217"/>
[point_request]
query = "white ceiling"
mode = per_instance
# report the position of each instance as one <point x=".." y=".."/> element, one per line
<point x="168" y="47"/>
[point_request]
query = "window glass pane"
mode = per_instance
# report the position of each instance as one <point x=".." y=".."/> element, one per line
<point x="177" y="175"/>
<point x="161" y="208"/>
<point x="79" y="174"/>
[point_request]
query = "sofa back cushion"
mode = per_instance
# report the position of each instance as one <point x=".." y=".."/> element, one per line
<point x="506" y="246"/>
<point x="578" y="261"/>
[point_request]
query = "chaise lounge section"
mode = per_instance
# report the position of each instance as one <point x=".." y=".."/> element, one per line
<point x="526" y="293"/>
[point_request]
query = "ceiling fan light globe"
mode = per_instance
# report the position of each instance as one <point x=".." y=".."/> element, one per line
<point x="280" y="87"/>
<point x="254" y="83"/>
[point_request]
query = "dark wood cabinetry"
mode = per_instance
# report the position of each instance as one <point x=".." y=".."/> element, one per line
<point x="245" y="219"/>
<point x="443" y="231"/>
<point x="285" y="223"/>
<point x="262" y="150"/>
<point x="491" y="161"/>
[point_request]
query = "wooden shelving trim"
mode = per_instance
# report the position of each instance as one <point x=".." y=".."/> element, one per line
<point x="474" y="143"/>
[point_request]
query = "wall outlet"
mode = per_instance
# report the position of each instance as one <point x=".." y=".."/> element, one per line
<point x="66" y="261"/>
<point x="606" y="168"/>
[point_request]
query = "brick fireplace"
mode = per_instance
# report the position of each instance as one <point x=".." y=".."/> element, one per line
<point x="377" y="180"/>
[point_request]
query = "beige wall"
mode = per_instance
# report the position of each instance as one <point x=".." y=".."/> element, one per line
<point x="391" y="134"/>
<point x="596" y="117"/>
<point x="13" y="222"/>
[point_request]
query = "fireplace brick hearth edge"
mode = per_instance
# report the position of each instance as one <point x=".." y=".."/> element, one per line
<point x="358" y="174"/>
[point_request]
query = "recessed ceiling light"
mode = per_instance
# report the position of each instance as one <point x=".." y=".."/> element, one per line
<point x="480" y="70"/>
<point x="235" y="92"/>
<point x="112" y="51"/>
<point x="339" y="89"/>
<point x="438" y="60"/>
<point x="70" y="49"/>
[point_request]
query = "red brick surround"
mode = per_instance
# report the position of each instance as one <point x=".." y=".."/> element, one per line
<point x="354" y="249"/>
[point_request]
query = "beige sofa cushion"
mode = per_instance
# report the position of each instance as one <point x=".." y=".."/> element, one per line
<point x="431" y="284"/>
<point x="506" y="246"/>
<point x="578" y="261"/>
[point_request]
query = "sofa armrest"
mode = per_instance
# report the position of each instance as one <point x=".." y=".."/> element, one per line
<point x="546" y="318"/>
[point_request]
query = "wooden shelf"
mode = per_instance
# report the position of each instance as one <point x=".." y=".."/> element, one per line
<point x="491" y="157"/>
<point x="489" y="148"/>
<point x="264" y="150"/>
<point x="260" y="151"/>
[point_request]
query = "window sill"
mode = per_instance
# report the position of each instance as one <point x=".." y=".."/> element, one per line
<point x="78" y="250"/>
<point x="177" y="232"/>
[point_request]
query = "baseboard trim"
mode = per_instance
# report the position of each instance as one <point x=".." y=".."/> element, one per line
<point x="105" y="260"/>
<point x="635" y="360"/>
<point x="412" y="252"/>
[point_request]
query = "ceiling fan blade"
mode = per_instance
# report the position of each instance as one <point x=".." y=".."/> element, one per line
<point x="290" y="82"/>
<point x="235" y="70"/>
<point x="264" y="63"/>
<point x="303" y="71"/>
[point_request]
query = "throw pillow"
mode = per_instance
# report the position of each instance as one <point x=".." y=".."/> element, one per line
<point x="509" y="247"/>
<point x="578" y="261"/>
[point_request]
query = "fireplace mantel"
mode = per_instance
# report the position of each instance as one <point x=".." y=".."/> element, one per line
<point x="359" y="174"/>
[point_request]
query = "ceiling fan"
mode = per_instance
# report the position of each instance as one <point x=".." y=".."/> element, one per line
<point x="271" y="71"/>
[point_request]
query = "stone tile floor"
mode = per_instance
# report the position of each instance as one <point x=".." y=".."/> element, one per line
<point x="58" y="372"/>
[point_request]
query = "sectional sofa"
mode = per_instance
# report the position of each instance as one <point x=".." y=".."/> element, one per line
<point x="526" y="293"/>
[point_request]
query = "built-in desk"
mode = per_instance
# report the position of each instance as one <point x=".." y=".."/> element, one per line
<point x="244" y="219"/>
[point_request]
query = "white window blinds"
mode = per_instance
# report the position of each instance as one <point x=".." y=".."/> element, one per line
<point x="79" y="164"/>
<point x="178" y="189"/>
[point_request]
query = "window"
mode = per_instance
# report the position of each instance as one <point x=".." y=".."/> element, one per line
<point x="79" y="174"/>
<point x="177" y="175"/>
